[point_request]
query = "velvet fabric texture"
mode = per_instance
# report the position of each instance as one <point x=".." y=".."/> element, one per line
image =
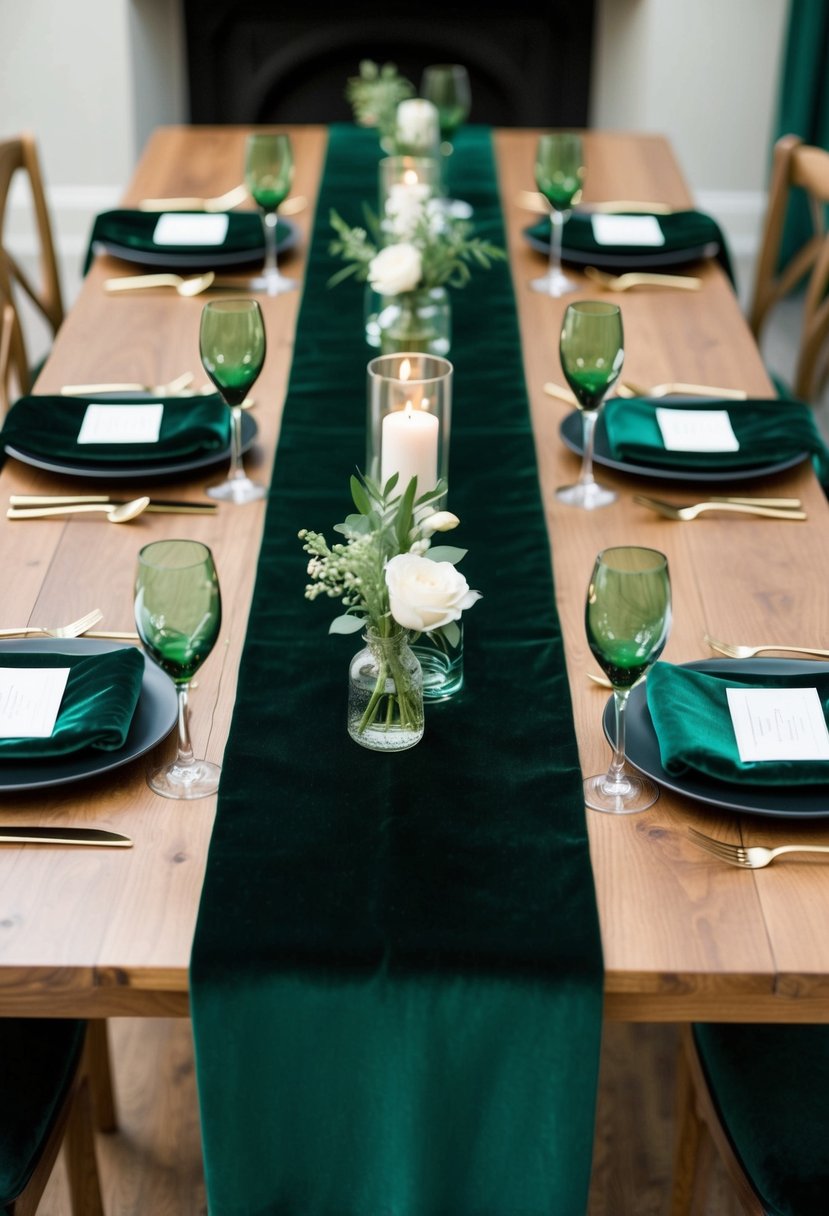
<point x="40" y="1056"/>
<point x="777" y="1115"/>
<point x="48" y="427"/>
<point x="133" y="230"/>
<point x="691" y="230"/>
<point x="767" y="430"/>
<point x="98" y="703"/>
<point x="396" y="975"/>
<point x="693" y="725"/>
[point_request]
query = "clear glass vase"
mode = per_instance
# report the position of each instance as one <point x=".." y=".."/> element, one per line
<point x="440" y="656"/>
<point x="415" y="321"/>
<point x="385" y="694"/>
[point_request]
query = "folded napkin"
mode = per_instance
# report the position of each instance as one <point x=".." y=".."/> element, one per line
<point x="133" y="230"/>
<point x="767" y="430"/>
<point x="693" y="725"/>
<point x="98" y="704"/>
<point x="691" y="230"/>
<point x="48" y="427"/>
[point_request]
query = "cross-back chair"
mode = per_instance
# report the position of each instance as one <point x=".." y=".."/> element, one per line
<point x="797" y="167"/>
<point x="19" y="161"/>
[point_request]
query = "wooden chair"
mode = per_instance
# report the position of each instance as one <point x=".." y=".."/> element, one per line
<point x="46" y="1104"/>
<point x="19" y="157"/>
<point x="797" y="167"/>
<point x="759" y="1096"/>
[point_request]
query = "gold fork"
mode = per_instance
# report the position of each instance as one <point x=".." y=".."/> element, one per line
<point x="672" y="511"/>
<point x="73" y="630"/>
<point x="734" y="651"/>
<point x="749" y="857"/>
<point x="636" y="278"/>
<point x="679" y="388"/>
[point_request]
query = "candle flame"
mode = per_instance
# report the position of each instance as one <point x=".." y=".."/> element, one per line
<point x="410" y="177"/>
<point x="405" y="369"/>
<point x="408" y="409"/>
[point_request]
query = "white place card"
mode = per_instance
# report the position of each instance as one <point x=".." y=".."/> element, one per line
<point x="121" y="423"/>
<point x="30" y="699"/>
<point x="778" y="724"/>
<point x="627" y="230"/>
<point x="696" y="430"/>
<point x="177" y="228"/>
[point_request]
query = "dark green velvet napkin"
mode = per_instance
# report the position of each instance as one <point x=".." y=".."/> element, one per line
<point x="396" y="977"/>
<point x="767" y="430"/>
<point x="693" y="725"/>
<point x="48" y="427"/>
<point x="133" y="230"/>
<point x="97" y="707"/>
<point x="684" y="230"/>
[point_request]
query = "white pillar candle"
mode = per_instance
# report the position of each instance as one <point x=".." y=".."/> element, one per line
<point x="418" y="126"/>
<point x="409" y="447"/>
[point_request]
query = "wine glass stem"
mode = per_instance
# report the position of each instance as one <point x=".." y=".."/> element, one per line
<point x="616" y="779"/>
<point x="185" y="755"/>
<point x="236" y="471"/>
<point x="588" y="430"/>
<point x="557" y="227"/>
<point x="271" y="271"/>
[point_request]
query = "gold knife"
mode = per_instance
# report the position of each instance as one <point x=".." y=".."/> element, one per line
<point x="37" y="835"/>
<point x="157" y="505"/>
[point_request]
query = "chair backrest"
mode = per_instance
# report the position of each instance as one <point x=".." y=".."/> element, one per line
<point x="19" y="156"/>
<point x="797" y="166"/>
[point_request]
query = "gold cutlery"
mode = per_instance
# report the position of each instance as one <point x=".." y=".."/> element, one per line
<point x="13" y="834"/>
<point x="601" y="681"/>
<point x="531" y="200"/>
<point x="121" y="513"/>
<point x="624" y="282"/>
<point x="627" y="389"/>
<point x="185" y="287"/>
<point x="758" y="502"/>
<point x="734" y="651"/>
<point x="749" y="857"/>
<point x="73" y="630"/>
<point x="672" y="511"/>
<point x="173" y="389"/>
<point x="221" y="202"/>
<point x="562" y="394"/>
<point x="158" y="506"/>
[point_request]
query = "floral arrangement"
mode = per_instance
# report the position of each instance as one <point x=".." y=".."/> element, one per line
<point x="386" y="572"/>
<point x="375" y="94"/>
<point x="428" y="249"/>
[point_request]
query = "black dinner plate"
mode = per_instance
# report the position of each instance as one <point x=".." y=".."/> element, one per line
<point x="200" y="257"/>
<point x="155" y="716"/>
<point x="642" y="749"/>
<point x="76" y="468"/>
<point x="571" y="435"/>
<point x="644" y="259"/>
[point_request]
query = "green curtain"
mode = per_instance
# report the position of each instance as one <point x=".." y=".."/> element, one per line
<point x="803" y="104"/>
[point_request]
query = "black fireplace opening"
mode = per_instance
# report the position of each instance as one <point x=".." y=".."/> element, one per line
<point x="529" y="63"/>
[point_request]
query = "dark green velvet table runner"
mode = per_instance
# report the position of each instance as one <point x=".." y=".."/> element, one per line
<point x="396" y="977"/>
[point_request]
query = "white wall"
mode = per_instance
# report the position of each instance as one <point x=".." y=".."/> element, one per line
<point x="92" y="77"/>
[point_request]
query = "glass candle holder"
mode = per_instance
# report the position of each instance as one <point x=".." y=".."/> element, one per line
<point x="409" y="419"/>
<point x="405" y="185"/>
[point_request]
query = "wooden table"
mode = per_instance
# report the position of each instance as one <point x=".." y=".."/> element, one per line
<point x="102" y="933"/>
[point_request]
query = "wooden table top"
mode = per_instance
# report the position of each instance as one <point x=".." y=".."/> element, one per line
<point x="103" y="933"/>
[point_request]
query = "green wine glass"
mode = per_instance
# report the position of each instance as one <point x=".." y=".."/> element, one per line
<point x="446" y="85"/>
<point x="592" y="353"/>
<point x="178" y="612"/>
<point x="232" y="348"/>
<point x="559" y="174"/>
<point x="627" y="618"/>
<point x="269" y="171"/>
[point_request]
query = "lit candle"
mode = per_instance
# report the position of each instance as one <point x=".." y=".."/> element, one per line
<point x="409" y="447"/>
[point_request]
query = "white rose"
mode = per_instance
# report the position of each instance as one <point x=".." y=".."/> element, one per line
<point x="425" y="595"/>
<point x="417" y="125"/>
<point x="395" y="269"/>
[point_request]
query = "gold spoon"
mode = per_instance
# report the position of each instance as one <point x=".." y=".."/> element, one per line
<point x="184" y="287"/>
<point x="120" y="514"/>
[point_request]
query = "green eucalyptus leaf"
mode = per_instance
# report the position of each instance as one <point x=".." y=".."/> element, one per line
<point x="346" y="624"/>
<point x="361" y="499"/>
<point x="446" y="553"/>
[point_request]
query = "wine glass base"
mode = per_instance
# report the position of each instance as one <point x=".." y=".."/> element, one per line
<point x="272" y="285"/>
<point x="196" y="780"/>
<point x="554" y="283"/>
<point x="624" y="797"/>
<point x="238" y="490"/>
<point x="587" y="495"/>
